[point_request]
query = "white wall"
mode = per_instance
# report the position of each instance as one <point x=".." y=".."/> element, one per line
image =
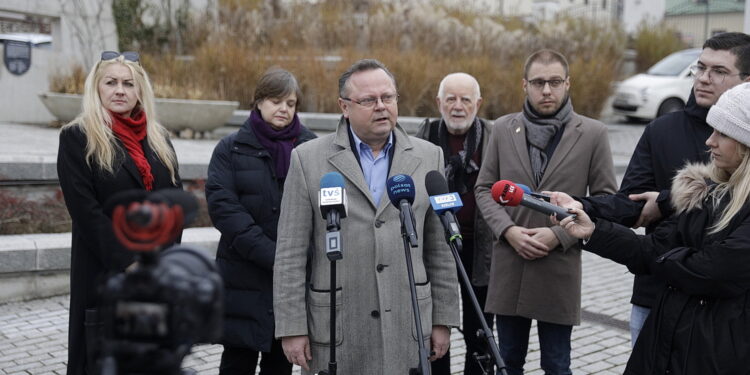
<point x="81" y="29"/>
<point x="635" y="11"/>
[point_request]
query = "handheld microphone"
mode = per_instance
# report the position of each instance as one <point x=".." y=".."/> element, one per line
<point x="528" y="191"/>
<point x="509" y="194"/>
<point x="445" y="205"/>
<point x="400" y="190"/>
<point x="332" y="202"/>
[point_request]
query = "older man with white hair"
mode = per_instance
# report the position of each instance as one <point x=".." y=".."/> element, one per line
<point x="462" y="136"/>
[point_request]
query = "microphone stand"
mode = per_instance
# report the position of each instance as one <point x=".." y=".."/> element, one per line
<point x="334" y="253"/>
<point x="424" y="363"/>
<point x="484" y="334"/>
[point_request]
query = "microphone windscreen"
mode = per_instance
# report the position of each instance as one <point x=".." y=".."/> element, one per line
<point x="332" y="179"/>
<point x="507" y="193"/>
<point x="435" y="183"/>
<point x="172" y="196"/>
<point x="400" y="187"/>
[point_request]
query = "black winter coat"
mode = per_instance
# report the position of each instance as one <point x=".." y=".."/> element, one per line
<point x="95" y="253"/>
<point x="244" y="198"/>
<point x="700" y="321"/>
<point x="667" y="144"/>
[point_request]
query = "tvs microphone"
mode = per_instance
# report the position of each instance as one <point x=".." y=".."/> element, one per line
<point x="400" y="190"/>
<point x="509" y="194"/>
<point x="444" y="204"/>
<point x="332" y="201"/>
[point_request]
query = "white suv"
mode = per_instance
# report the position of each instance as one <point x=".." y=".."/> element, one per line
<point x="664" y="88"/>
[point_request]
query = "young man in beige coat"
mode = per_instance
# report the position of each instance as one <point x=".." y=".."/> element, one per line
<point x="536" y="267"/>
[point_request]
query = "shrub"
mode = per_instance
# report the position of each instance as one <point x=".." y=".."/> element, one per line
<point x="652" y="42"/>
<point x="419" y="41"/>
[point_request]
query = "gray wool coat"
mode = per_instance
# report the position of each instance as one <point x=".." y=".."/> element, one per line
<point x="548" y="288"/>
<point x="375" y="330"/>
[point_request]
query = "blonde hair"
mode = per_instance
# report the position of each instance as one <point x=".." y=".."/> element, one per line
<point x="736" y="184"/>
<point x="96" y="122"/>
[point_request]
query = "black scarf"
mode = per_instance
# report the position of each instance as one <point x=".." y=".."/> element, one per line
<point x="459" y="166"/>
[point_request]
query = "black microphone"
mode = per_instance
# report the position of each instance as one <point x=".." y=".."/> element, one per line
<point x="445" y="205"/>
<point x="509" y="194"/>
<point x="400" y="190"/>
<point x="536" y="195"/>
<point x="332" y="202"/>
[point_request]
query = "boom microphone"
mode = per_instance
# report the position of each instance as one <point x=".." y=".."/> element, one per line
<point x="509" y="194"/>
<point x="445" y="205"/>
<point x="400" y="190"/>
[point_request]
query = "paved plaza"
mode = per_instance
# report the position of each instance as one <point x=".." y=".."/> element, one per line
<point x="33" y="334"/>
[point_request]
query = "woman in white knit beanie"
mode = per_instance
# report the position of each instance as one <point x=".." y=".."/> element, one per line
<point x="701" y="321"/>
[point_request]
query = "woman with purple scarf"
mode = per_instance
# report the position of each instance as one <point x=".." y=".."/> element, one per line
<point x="245" y="181"/>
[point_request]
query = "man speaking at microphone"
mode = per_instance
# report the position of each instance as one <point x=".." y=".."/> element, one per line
<point x="536" y="267"/>
<point x="375" y="331"/>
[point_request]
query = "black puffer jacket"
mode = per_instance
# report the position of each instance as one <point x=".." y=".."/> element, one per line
<point x="667" y="144"/>
<point x="700" y="321"/>
<point x="244" y="197"/>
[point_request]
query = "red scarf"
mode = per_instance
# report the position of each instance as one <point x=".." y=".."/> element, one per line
<point x="131" y="131"/>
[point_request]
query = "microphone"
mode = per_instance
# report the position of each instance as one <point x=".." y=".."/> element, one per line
<point x="445" y="205"/>
<point x="400" y="190"/>
<point x="509" y="194"/>
<point x="528" y="191"/>
<point x="332" y="202"/>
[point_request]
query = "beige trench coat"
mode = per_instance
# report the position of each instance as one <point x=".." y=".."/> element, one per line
<point x="375" y="331"/>
<point x="549" y="288"/>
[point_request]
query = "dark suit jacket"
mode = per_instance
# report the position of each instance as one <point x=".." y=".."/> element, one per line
<point x="95" y="253"/>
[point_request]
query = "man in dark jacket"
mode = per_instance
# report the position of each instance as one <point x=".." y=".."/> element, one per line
<point x="462" y="136"/>
<point x="667" y="144"/>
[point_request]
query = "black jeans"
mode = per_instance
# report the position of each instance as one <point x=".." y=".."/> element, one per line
<point x="242" y="361"/>
<point x="470" y="322"/>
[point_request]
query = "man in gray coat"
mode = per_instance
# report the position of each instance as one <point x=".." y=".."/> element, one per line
<point x="536" y="267"/>
<point x="375" y="330"/>
<point x="463" y="137"/>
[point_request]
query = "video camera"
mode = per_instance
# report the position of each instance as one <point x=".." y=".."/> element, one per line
<point x="168" y="300"/>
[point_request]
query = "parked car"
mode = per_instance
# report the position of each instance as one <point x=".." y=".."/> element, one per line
<point x="37" y="40"/>
<point x="664" y="88"/>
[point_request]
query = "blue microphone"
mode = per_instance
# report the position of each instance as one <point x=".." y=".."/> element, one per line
<point x="400" y="190"/>
<point x="445" y="205"/>
<point x="332" y="195"/>
<point x="332" y="202"/>
<point x="528" y="191"/>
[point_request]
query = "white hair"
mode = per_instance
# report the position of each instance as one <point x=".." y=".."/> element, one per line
<point x="441" y="88"/>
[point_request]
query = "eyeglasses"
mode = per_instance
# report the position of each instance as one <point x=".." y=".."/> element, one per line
<point x="371" y="102"/>
<point x="714" y="75"/>
<point x="127" y="55"/>
<point x="540" y="83"/>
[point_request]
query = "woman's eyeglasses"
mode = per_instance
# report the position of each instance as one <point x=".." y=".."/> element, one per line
<point x="128" y="55"/>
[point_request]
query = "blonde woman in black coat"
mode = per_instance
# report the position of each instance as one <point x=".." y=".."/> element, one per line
<point x="115" y="144"/>
<point x="245" y="180"/>
<point x="701" y="321"/>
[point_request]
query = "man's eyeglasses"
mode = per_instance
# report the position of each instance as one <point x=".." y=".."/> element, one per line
<point x="127" y="55"/>
<point x="371" y="102"/>
<point x="540" y="83"/>
<point x="714" y="75"/>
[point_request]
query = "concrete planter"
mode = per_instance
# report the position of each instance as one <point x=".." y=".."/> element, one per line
<point x="175" y="114"/>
